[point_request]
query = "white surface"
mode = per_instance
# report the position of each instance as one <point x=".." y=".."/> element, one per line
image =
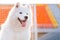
<point x="49" y="30"/>
<point x="29" y="1"/>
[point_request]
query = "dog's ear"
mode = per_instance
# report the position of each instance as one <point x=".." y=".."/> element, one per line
<point x="17" y="5"/>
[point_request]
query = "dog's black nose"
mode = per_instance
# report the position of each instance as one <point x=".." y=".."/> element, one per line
<point x="26" y="17"/>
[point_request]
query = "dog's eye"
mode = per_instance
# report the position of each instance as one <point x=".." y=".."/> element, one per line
<point x="27" y="13"/>
<point x="20" y="12"/>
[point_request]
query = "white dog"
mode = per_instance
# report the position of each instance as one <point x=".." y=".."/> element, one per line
<point x="18" y="23"/>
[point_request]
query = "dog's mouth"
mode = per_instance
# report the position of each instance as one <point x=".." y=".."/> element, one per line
<point x="23" y="22"/>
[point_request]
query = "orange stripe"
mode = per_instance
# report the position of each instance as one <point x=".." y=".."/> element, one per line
<point x="42" y="16"/>
<point x="4" y="9"/>
<point x="52" y="18"/>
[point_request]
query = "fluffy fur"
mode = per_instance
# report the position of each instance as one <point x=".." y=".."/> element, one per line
<point x="12" y="29"/>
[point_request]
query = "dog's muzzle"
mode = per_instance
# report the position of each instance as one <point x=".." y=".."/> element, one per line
<point x="23" y="22"/>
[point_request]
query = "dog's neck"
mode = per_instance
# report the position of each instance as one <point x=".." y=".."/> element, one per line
<point x="11" y="23"/>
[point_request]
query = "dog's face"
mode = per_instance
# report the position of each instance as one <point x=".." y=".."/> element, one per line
<point x="23" y="17"/>
<point x="22" y="14"/>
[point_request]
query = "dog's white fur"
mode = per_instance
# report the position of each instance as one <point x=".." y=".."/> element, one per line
<point x="11" y="29"/>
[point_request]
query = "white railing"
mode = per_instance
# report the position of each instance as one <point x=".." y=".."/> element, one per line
<point x="35" y="23"/>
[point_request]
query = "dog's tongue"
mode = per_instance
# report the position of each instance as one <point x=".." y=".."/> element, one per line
<point x="23" y="24"/>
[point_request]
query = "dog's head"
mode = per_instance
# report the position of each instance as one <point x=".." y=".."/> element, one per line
<point x="23" y="14"/>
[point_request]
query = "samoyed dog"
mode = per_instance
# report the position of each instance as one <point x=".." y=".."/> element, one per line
<point x="18" y="23"/>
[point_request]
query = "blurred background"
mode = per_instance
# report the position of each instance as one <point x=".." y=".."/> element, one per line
<point x="46" y="18"/>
